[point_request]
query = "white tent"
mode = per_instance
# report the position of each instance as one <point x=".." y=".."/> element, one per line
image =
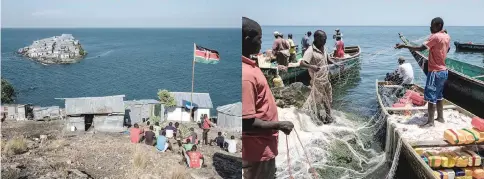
<point x="230" y="116"/>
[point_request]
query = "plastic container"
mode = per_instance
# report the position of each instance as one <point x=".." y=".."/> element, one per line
<point x="463" y="172"/>
<point x="451" y="159"/>
<point x="461" y="160"/>
<point x="477" y="173"/>
<point x="450" y="173"/>
<point x="470" y="137"/>
<point x="419" y="151"/>
<point x="454" y="137"/>
<point x="441" y="174"/>
<point x="434" y="160"/>
<point x="479" y="134"/>
<point x="474" y="158"/>
<point x="278" y="81"/>
<point x="478" y="123"/>
<point x="398" y="105"/>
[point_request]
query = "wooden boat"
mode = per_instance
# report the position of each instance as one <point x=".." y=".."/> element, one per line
<point x="465" y="84"/>
<point x="336" y="71"/>
<point x="419" y="167"/>
<point x="469" y="47"/>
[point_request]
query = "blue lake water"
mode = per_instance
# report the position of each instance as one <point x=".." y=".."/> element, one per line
<point x="378" y="56"/>
<point x="134" y="62"/>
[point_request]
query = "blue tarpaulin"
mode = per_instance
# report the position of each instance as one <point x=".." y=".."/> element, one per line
<point x="188" y="104"/>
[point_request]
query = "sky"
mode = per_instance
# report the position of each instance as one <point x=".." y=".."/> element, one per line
<point x="228" y="13"/>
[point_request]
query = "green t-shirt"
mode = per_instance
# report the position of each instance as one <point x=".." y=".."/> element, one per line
<point x="157" y="130"/>
<point x="188" y="147"/>
<point x="292" y="49"/>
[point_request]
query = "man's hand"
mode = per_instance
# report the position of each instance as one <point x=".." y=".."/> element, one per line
<point x="399" y="46"/>
<point x="282" y="68"/>
<point x="286" y="127"/>
<point x="315" y="68"/>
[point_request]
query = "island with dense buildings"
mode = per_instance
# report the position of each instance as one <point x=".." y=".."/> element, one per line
<point x="62" y="49"/>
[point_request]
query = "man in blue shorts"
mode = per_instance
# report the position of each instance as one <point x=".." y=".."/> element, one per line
<point x="438" y="45"/>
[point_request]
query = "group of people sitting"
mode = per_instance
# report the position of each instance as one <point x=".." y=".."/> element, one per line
<point x="155" y="135"/>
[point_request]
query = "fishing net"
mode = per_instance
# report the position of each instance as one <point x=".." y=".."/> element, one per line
<point x="349" y="147"/>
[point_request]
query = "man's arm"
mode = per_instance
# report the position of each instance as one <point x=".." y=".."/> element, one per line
<point x="305" y="61"/>
<point x="274" y="47"/>
<point x="414" y="48"/>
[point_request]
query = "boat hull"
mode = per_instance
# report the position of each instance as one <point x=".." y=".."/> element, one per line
<point x="459" y="88"/>
<point x="469" y="47"/>
<point x="336" y="71"/>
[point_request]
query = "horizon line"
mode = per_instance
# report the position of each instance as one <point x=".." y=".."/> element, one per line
<point x="120" y="27"/>
<point x="369" y="25"/>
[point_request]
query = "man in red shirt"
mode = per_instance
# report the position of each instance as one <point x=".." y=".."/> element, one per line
<point x="438" y="45"/>
<point x="196" y="158"/>
<point x="260" y="123"/>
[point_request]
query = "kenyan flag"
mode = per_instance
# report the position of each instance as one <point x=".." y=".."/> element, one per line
<point x="205" y="55"/>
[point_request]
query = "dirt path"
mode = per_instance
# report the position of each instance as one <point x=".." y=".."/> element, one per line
<point x="66" y="154"/>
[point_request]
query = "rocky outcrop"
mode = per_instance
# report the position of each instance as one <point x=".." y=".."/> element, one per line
<point x="294" y="94"/>
<point x="62" y="49"/>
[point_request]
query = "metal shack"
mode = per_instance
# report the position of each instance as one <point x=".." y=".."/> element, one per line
<point x="137" y="110"/>
<point x="202" y="103"/>
<point x="10" y="111"/>
<point x="230" y="116"/>
<point x="51" y="112"/>
<point x="103" y="113"/>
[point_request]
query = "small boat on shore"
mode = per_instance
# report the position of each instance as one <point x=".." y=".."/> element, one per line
<point x="465" y="84"/>
<point x="469" y="47"/>
<point x="405" y="140"/>
<point x="348" y="63"/>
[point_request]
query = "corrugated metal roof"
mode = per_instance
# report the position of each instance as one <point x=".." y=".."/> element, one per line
<point x="202" y="100"/>
<point x="141" y="101"/>
<point x="234" y="109"/>
<point x="94" y="105"/>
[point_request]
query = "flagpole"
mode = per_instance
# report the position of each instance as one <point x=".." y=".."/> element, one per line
<point x="193" y="80"/>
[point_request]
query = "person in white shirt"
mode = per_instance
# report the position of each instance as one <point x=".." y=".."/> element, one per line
<point x="405" y="71"/>
<point x="231" y="145"/>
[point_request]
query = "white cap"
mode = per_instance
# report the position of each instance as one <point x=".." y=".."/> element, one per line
<point x="276" y="33"/>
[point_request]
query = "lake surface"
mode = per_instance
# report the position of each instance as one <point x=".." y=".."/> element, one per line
<point x="134" y="62"/>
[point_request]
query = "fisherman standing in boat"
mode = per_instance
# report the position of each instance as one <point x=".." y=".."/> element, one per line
<point x="260" y="123"/>
<point x="438" y="45"/>
<point x="305" y="42"/>
<point x="292" y="48"/>
<point x="316" y="59"/>
<point x="280" y="49"/>
<point x="340" y="48"/>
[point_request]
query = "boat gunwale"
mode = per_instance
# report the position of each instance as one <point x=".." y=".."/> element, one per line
<point x="409" y="151"/>
<point x="354" y="57"/>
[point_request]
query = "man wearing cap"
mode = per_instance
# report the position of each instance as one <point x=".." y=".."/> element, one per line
<point x="292" y="48"/>
<point x="305" y="42"/>
<point x="280" y="49"/>
<point x="338" y="34"/>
